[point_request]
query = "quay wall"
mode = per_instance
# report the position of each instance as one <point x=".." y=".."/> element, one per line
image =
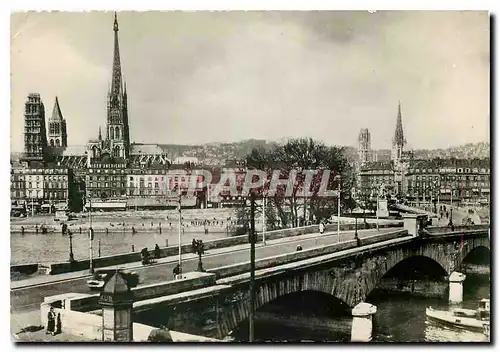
<point x="26" y="269"/>
<point x="421" y="288"/>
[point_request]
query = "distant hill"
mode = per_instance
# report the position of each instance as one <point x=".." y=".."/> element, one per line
<point x="218" y="153"/>
<point x="467" y="151"/>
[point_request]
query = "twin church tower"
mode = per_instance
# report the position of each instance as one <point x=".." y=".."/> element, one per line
<point x="38" y="144"/>
<point x="366" y="154"/>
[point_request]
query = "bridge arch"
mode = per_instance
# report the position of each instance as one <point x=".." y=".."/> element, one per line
<point x="353" y="279"/>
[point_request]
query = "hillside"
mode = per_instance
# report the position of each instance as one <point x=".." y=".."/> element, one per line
<point x="218" y="153"/>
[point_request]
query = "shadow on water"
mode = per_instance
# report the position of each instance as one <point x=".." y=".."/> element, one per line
<point x="400" y="318"/>
<point x="306" y="316"/>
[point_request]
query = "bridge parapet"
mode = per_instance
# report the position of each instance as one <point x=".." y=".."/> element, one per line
<point x="235" y="269"/>
<point x="456" y="229"/>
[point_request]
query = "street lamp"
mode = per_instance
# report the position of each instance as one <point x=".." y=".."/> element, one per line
<point x="251" y="316"/>
<point x="71" y="257"/>
<point x="355" y="226"/>
<point x="180" y="229"/>
<point x="338" y="178"/>
<point x="91" y="238"/>
<point x="264" y="220"/>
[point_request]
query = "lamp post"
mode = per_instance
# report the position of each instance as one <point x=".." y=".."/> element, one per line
<point x="355" y="226"/>
<point x="91" y="238"/>
<point x="378" y="194"/>
<point x="264" y="221"/>
<point x="251" y="316"/>
<point x="71" y="257"/>
<point x="179" y="205"/>
<point x="338" y="178"/>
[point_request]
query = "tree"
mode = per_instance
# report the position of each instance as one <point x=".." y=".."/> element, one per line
<point x="300" y="155"/>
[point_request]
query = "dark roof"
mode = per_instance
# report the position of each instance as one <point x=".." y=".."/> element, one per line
<point x="449" y="162"/>
<point x="56" y="112"/>
<point x="377" y="165"/>
<point x="117" y="284"/>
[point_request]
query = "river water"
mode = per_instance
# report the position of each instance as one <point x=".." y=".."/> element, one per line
<point x="399" y="318"/>
<point x="54" y="247"/>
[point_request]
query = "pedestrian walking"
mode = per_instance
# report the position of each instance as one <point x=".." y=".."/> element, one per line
<point x="321" y="228"/>
<point x="157" y="251"/>
<point x="51" y="322"/>
<point x="177" y="270"/>
<point x="358" y="241"/>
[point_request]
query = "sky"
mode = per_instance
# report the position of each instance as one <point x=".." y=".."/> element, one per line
<point x="200" y="77"/>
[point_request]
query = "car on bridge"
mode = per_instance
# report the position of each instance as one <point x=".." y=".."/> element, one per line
<point x="101" y="277"/>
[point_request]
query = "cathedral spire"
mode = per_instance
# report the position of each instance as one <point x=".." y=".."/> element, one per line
<point x="399" y="139"/>
<point x="56" y="112"/>
<point x="116" y="81"/>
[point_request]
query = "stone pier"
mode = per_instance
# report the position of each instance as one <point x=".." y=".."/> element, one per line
<point x="456" y="280"/>
<point x="362" y="322"/>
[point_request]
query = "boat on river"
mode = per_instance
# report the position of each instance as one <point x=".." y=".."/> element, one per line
<point x="467" y="319"/>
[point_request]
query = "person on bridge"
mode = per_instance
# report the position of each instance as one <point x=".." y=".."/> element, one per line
<point x="157" y="251"/>
<point x="321" y="228"/>
<point x="177" y="270"/>
<point x="358" y="241"/>
<point x="299" y="248"/>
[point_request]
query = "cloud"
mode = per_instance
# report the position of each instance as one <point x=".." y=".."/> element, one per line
<point x="203" y="77"/>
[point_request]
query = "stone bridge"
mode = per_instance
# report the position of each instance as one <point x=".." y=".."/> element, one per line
<point x="348" y="275"/>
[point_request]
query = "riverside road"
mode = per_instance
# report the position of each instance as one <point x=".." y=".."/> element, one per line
<point x="27" y="294"/>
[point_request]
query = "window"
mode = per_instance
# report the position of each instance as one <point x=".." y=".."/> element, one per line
<point x="131" y="178"/>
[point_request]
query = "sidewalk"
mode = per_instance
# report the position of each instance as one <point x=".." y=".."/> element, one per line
<point x="47" y="279"/>
<point x="26" y="327"/>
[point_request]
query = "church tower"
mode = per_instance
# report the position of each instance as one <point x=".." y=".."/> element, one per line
<point x="117" y="128"/>
<point x="35" y="137"/>
<point x="58" y="136"/>
<point x="364" y="146"/>
<point x="398" y="141"/>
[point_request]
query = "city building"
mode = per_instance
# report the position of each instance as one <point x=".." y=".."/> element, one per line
<point x="42" y="188"/>
<point x="147" y="182"/>
<point x="58" y="136"/>
<point x="35" y="135"/>
<point x="104" y="181"/>
<point x="375" y="176"/>
<point x="457" y="181"/>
